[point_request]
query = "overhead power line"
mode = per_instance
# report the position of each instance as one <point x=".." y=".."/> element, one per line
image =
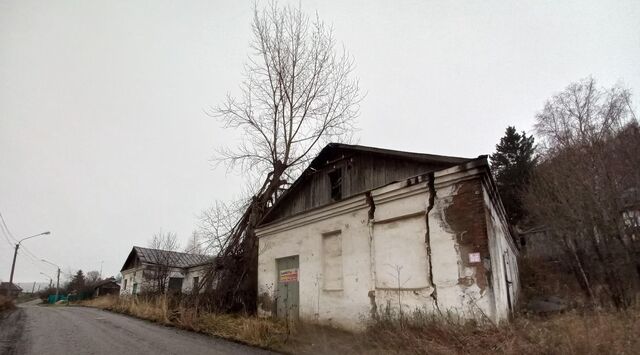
<point x="6" y="230"/>
<point x="32" y="258"/>
<point x="8" y="235"/>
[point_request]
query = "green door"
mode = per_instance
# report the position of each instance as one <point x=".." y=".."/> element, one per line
<point x="288" y="297"/>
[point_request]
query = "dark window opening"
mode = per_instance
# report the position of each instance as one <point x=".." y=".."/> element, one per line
<point x="195" y="281"/>
<point x="175" y="284"/>
<point x="335" y="178"/>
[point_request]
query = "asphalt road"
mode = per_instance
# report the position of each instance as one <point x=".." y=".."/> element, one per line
<point x="33" y="329"/>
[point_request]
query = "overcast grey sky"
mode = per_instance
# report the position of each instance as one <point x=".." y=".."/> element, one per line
<point x="104" y="139"/>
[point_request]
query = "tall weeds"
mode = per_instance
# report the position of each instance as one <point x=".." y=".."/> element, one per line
<point x="170" y="311"/>
<point x="574" y="332"/>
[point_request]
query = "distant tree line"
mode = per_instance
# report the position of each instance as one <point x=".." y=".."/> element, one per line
<point x="79" y="283"/>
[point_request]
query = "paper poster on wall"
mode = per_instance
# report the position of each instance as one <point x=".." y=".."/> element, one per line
<point x="288" y="275"/>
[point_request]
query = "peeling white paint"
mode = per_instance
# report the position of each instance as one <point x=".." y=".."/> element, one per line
<point x="368" y="252"/>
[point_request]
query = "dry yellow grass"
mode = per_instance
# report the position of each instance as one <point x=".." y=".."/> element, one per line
<point x="250" y="330"/>
<point x="589" y="332"/>
<point x="254" y="331"/>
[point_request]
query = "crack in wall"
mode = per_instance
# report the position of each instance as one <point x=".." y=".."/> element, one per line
<point x="427" y="237"/>
<point x="371" y="219"/>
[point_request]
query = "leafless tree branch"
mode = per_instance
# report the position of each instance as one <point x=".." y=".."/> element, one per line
<point x="298" y="92"/>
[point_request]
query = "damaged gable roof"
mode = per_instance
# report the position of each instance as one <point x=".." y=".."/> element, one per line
<point x="166" y="257"/>
<point x="401" y="165"/>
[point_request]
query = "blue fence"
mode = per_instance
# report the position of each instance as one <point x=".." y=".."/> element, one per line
<point x="69" y="298"/>
<point x="52" y="298"/>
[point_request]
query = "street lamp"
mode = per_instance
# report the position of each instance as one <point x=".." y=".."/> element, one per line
<point x="15" y="254"/>
<point x="58" y="279"/>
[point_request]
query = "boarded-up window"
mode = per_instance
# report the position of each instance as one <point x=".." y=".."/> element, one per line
<point x="401" y="256"/>
<point x="332" y="261"/>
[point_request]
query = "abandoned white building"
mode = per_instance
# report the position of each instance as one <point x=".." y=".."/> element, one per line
<point x="147" y="270"/>
<point x="366" y="229"/>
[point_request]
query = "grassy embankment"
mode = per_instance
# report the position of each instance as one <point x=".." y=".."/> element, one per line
<point x="573" y="332"/>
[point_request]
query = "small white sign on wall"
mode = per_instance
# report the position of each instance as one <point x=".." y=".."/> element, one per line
<point x="474" y="257"/>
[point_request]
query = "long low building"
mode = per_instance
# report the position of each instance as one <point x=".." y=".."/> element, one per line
<point x="154" y="270"/>
<point x="367" y="230"/>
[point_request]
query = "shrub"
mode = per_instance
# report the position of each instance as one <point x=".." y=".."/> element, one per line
<point x="6" y="303"/>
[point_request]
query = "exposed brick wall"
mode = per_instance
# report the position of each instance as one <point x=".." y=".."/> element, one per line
<point x="466" y="217"/>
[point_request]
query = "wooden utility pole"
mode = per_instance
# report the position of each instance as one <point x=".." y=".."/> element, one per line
<point x="58" y="280"/>
<point x="58" y="285"/>
<point x="13" y="265"/>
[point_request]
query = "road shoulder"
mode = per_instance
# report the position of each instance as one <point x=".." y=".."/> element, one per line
<point x="12" y="324"/>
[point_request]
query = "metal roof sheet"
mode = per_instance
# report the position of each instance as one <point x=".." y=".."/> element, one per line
<point x="171" y="258"/>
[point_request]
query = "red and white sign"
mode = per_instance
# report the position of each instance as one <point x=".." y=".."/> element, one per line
<point x="288" y="275"/>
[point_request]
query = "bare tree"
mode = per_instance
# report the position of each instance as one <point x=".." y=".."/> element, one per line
<point x="158" y="275"/>
<point x="93" y="277"/>
<point x="216" y="223"/>
<point x="164" y="241"/>
<point x="587" y="183"/>
<point x="298" y="93"/>
<point x="194" y="244"/>
<point x="583" y="114"/>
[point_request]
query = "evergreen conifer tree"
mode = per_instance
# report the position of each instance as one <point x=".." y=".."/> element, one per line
<point x="77" y="281"/>
<point x="512" y="165"/>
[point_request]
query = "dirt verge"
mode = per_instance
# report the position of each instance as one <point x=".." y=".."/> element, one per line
<point x="11" y="330"/>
